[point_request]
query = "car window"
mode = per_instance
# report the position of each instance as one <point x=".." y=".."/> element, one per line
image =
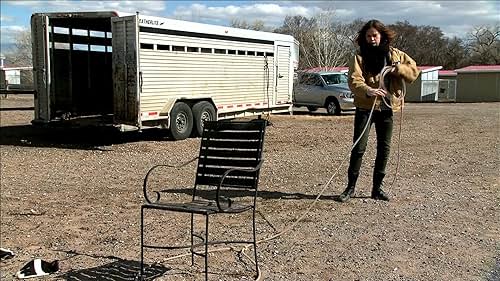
<point x="332" y="79"/>
<point x="303" y="78"/>
<point x="344" y="78"/>
<point x="317" y="81"/>
<point x="310" y="79"/>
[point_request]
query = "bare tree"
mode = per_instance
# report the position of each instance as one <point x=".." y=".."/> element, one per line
<point x="324" y="42"/>
<point x="352" y="29"/>
<point x="428" y="45"/>
<point x="454" y="54"/>
<point x="329" y="42"/>
<point x="20" y="53"/>
<point x="483" y="44"/>
<point x="258" y="25"/>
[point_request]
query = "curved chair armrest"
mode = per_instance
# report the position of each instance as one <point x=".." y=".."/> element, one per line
<point x="145" y="184"/>
<point x="249" y="170"/>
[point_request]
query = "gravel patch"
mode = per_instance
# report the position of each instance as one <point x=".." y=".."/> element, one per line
<point x="75" y="196"/>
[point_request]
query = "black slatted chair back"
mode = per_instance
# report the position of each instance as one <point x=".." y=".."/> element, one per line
<point x="227" y="145"/>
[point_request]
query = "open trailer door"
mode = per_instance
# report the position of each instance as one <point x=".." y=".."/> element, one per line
<point x="41" y="67"/>
<point x="126" y="88"/>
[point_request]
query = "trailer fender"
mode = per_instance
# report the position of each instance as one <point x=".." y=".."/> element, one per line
<point x="167" y="107"/>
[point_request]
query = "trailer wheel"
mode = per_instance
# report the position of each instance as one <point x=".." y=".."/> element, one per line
<point x="202" y="111"/>
<point x="181" y="121"/>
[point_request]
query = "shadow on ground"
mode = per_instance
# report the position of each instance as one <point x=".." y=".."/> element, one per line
<point x="117" y="270"/>
<point x="120" y="270"/>
<point x="26" y="108"/>
<point x="208" y="194"/>
<point x="494" y="274"/>
<point x="86" y="138"/>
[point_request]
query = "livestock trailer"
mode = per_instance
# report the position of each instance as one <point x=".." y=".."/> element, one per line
<point x="133" y="71"/>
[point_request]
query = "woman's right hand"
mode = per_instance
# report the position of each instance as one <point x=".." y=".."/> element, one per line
<point x="376" y="92"/>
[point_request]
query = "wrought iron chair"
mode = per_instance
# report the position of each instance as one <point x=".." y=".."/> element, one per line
<point x="229" y="163"/>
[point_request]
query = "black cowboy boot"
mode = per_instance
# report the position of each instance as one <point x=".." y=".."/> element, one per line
<point x="349" y="191"/>
<point x="346" y="195"/>
<point x="377" y="192"/>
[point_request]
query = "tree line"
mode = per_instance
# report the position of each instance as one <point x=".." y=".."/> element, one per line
<point x="325" y="41"/>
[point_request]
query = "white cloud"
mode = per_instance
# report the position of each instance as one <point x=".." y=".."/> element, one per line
<point x="454" y="18"/>
<point x="271" y="13"/>
<point x="5" y="18"/>
<point x="10" y="32"/>
<point x="144" y="7"/>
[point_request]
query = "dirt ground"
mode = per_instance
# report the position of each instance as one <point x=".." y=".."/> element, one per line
<point x="75" y="195"/>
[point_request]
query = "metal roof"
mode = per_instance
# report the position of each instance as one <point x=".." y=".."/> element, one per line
<point x="427" y="68"/>
<point x="447" y="73"/>
<point x="479" y="68"/>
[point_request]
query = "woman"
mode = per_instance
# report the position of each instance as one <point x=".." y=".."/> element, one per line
<point x="374" y="40"/>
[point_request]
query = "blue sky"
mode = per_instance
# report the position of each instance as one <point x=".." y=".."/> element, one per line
<point x="455" y="18"/>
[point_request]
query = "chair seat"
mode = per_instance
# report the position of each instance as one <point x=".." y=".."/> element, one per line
<point x="199" y="207"/>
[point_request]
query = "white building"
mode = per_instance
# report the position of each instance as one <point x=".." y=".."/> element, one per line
<point x="426" y="87"/>
<point x="10" y="75"/>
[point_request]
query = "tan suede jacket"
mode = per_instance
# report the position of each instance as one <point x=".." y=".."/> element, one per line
<point x="359" y="81"/>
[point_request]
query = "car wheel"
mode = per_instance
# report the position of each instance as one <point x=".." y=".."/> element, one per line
<point x="181" y="121"/>
<point x="312" y="108"/>
<point x="332" y="107"/>
<point x="202" y="111"/>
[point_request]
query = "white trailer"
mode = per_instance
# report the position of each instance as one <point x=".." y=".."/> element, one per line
<point x="136" y="71"/>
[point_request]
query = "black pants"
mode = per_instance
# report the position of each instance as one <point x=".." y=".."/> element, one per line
<point x="383" y="127"/>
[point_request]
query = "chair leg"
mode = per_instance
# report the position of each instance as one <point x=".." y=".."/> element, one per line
<point x="206" y="247"/>
<point x="142" y="243"/>
<point x="255" y="245"/>
<point x="192" y="239"/>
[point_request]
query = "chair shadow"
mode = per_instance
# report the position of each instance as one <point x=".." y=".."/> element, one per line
<point x="208" y="194"/>
<point x="121" y="270"/>
<point x="84" y="138"/>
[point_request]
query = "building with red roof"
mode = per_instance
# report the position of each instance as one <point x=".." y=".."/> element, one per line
<point x="478" y="83"/>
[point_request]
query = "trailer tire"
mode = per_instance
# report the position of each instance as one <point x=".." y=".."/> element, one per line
<point x="181" y="121"/>
<point x="202" y="111"/>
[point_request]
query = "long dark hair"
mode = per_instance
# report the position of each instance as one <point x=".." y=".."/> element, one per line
<point x="374" y="57"/>
<point x="386" y="34"/>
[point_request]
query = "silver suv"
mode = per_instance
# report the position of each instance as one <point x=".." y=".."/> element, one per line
<point x="323" y="89"/>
